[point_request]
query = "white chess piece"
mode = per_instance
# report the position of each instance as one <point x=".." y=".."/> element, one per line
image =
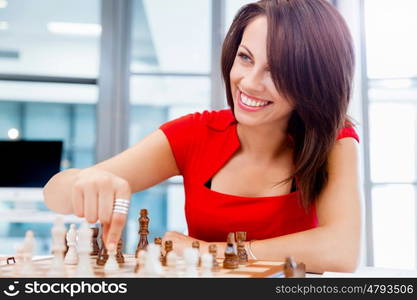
<point x="84" y="268"/>
<point x="206" y="265"/>
<point x="71" y="258"/>
<point x="191" y="262"/>
<point x="172" y="260"/>
<point x="17" y="268"/>
<point x="111" y="266"/>
<point x="140" y="261"/>
<point x="28" y="247"/>
<point x="58" y="232"/>
<point x="153" y="267"/>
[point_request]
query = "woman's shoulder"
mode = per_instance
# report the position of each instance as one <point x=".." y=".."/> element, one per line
<point x="348" y="131"/>
<point x="214" y="119"/>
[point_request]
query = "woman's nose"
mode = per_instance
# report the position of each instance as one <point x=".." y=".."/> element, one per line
<point x="252" y="82"/>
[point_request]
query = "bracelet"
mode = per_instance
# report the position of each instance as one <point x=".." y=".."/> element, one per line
<point x="249" y="248"/>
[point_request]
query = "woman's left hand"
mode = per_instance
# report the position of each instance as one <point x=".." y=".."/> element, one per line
<point x="180" y="242"/>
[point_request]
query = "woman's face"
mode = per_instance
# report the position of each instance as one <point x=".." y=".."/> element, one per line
<point x="255" y="98"/>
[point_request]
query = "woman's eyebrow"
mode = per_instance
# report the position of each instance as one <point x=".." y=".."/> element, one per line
<point x="250" y="53"/>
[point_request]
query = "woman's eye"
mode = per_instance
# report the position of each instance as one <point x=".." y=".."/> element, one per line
<point x="244" y="57"/>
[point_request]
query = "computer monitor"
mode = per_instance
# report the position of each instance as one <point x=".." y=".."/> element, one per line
<point x="29" y="164"/>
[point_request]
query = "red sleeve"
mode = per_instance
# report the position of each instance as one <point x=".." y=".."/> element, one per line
<point x="181" y="133"/>
<point x="348" y="132"/>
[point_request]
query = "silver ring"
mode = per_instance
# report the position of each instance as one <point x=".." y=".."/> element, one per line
<point x="121" y="206"/>
<point x="122" y="201"/>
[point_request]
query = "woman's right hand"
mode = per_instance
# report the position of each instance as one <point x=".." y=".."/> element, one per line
<point x="92" y="197"/>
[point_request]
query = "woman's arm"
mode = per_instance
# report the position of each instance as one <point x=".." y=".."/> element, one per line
<point x="90" y="192"/>
<point x="335" y="244"/>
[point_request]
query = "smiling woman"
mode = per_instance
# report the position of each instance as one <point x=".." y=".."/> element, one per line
<point x="280" y="164"/>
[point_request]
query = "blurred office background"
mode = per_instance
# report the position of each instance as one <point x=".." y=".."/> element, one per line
<point x="99" y="75"/>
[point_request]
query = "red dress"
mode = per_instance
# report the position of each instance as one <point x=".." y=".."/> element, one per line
<point x="202" y="143"/>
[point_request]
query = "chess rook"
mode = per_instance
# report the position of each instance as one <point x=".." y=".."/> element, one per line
<point x="241" y="251"/>
<point x="231" y="260"/>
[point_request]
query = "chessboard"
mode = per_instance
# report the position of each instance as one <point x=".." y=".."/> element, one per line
<point x="252" y="269"/>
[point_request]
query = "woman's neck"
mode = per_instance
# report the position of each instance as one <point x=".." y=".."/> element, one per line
<point x="263" y="143"/>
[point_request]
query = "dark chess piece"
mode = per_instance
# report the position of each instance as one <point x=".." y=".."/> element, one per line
<point x="143" y="231"/>
<point x="158" y="241"/>
<point x="231" y="260"/>
<point x="103" y="255"/>
<point x="294" y="270"/>
<point x="94" y="243"/>
<point x="213" y="252"/>
<point x="241" y="251"/>
<point x="168" y="248"/>
<point x="119" y="254"/>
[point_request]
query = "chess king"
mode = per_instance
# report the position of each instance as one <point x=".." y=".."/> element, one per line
<point x="280" y="163"/>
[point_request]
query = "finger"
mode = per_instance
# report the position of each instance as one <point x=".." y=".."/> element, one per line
<point x="105" y="231"/>
<point x="90" y="204"/>
<point x="105" y="203"/>
<point x="77" y="200"/>
<point x="118" y="220"/>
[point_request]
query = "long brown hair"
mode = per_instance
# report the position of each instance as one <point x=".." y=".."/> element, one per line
<point x="311" y="58"/>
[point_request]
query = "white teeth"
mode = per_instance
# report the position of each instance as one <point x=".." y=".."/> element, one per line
<point x="251" y="102"/>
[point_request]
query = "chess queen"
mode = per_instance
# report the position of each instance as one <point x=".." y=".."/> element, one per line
<point x="280" y="163"/>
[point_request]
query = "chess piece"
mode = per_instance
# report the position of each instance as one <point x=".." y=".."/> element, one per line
<point x="94" y="242"/>
<point x="27" y="254"/>
<point x="17" y="268"/>
<point x="231" y="260"/>
<point x="294" y="270"/>
<point x="168" y="249"/>
<point x="158" y="241"/>
<point x="140" y="261"/>
<point x="213" y="252"/>
<point x="103" y="255"/>
<point x="84" y="268"/>
<point x="191" y="261"/>
<point x="152" y="266"/>
<point x="241" y="251"/>
<point x="171" y="260"/>
<point x="119" y="255"/>
<point x="143" y="231"/>
<point x="206" y="265"/>
<point x="71" y="258"/>
<point x="59" y="247"/>
<point x="111" y="266"/>
<point x="196" y="245"/>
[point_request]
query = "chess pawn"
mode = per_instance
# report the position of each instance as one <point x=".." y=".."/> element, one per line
<point x="71" y="258"/>
<point x="196" y="245"/>
<point x="191" y="261"/>
<point x="168" y="249"/>
<point x="94" y="242"/>
<point x="213" y="252"/>
<point x="153" y="267"/>
<point x="231" y="260"/>
<point x="27" y="254"/>
<point x="111" y="266"/>
<point x="158" y="241"/>
<point x="140" y="261"/>
<point x="171" y="261"/>
<point x="17" y="267"/>
<point x="143" y="231"/>
<point x="119" y="255"/>
<point x="103" y="255"/>
<point x="206" y="265"/>
<point x="59" y="247"/>
<point x="292" y="270"/>
<point x="241" y="251"/>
